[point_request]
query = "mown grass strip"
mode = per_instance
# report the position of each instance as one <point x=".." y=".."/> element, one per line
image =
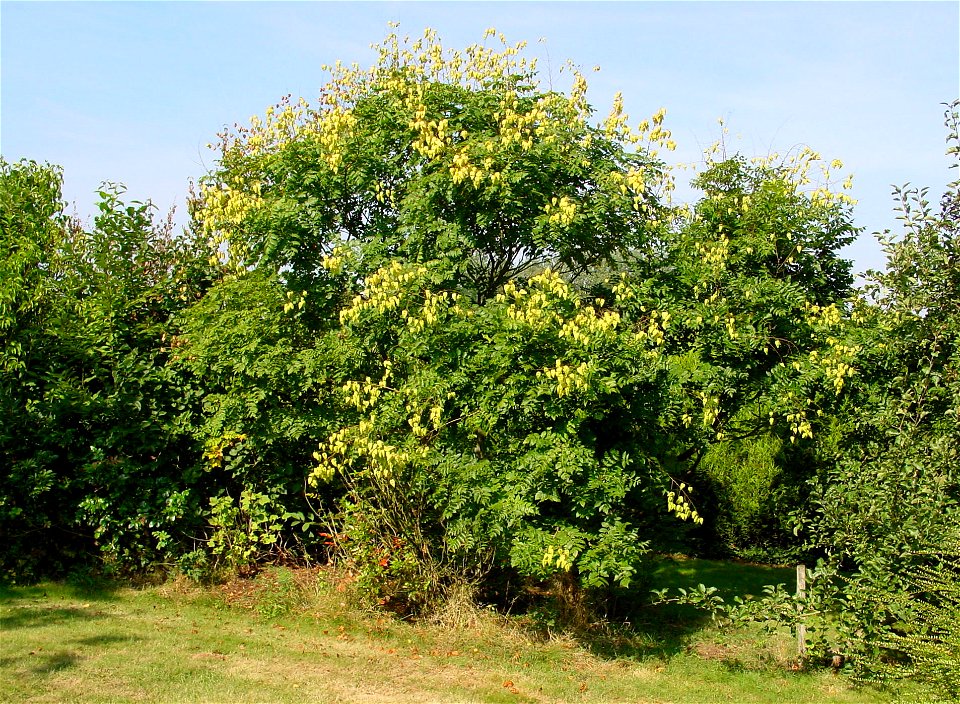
<point x="182" y="643"/>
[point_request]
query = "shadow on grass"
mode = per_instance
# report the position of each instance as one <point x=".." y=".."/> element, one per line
<point x="40" y="615"/>
<point x="53" y="603"/>
<point x="731" y="578"/>
<point x="650" y="631"/>
<point x="646" y="630"/>
<point x="53" y="663"/>
<point x="106" y="639"/>
<point x="83" y="589"/>
<point x="40" y="662"/>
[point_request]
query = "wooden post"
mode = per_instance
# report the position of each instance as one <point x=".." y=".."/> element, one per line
<point x="801" y="626"/>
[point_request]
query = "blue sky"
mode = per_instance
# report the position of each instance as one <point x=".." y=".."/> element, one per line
<point x="132" y="92"/>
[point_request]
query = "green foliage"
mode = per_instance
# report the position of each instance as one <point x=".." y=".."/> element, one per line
<point x="538" y="430"/>
<point x="885" y="503"/>
<point x="388" y="553"/>
<point x="255" y="375"/>
<point x="32" y="220"/>
<point x="914" y="629"/>
<point x="479" y="432"/>
<point x="755" y="485"/>
<point x="90" y="457"/>
<point x="754" y="284"/>
<point x="243" y="532"/>
<point x="253" y="370"/>
<point x="753" y="287"/>
<point x="931" y="640"/>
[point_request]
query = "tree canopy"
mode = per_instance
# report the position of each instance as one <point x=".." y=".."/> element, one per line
<point x="439" y="155"/>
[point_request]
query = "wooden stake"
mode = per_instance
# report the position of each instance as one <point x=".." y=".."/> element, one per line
<point x="801" y="626"/>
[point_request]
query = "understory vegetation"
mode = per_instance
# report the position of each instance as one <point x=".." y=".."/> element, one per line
<point x="447" y="330"/>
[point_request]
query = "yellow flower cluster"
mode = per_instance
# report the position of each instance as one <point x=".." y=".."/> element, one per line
<point x="798" y="169"/>
<point x="477" y="66"/>
<point x="432" y="136"/>
<point x="623" y="290"/>
<point x="389" y="289"/>
<point x="590" y="328"/>
<point x="551" y="281"/>
<point x="616" y="123"/>
<point x="516" y="127"/>
<point x="838" y="359"/>
<point x="799" y="425"/>
<point x="679" y="505"/>
<point x="711" y="409"/>
<point x="634" y="182"/>
<point x="415" y="416"/>
<point x="837" y="362"/>
<point x="730" y="322"/>
<point x="333" y="128"/>
<point x="360" y="442"/>
<point x="213" y="452"/>
<point x="533" y="306"/>
<point x="384" y="290"/>
<point x="403" y="71"/>
<point x="331" y="456"/>
<point x="714" y="254"/>
<point x="383" y="457"/>
<point x="281" y="124"/>
<point x="577" y="101"/>
<point x="654" y="134"/>
<point x="225" y="205"/>
<point x="385" y="195"/>
<point x="557" y="557"/>
<point x="561" y="211"/>
<point x="364" y="395"/>
<point x="569" y="379"/>
<point x="827" y="316"/>
<point x="657" y="324"/>
<point x="295" y="301"/>
<point x="431" y="311"/>
<point x="336" y="261"/>
<point x="462" y="170"/>
<point x="403" y="74"/>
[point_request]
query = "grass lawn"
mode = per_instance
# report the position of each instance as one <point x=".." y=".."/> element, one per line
<point x="293" y="637"/>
